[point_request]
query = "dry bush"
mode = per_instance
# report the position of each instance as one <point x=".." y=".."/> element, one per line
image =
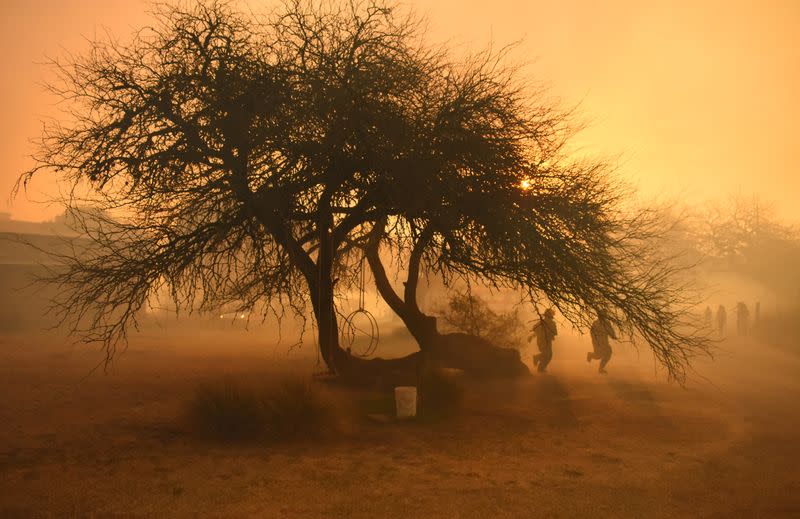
<point x="441" y="394"/>
<point x="296" y="408"/>
<point x="227" y="410"/>
<point x="470" y="314"/>
<point x="290" y="409"/>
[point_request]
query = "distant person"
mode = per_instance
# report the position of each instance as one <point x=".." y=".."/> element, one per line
<point x="742" y="316"/>
<point x="709" y="315"/>
<point x="545" y="331"/>
<point x="600" y="331"/>
<point x="722" y="320"/>
<point x="757" y="315"/>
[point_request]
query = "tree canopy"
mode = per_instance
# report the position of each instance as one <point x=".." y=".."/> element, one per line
<point x="254" y="159"/>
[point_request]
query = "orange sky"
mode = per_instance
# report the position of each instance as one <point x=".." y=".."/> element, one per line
<point x="698" y="98"/>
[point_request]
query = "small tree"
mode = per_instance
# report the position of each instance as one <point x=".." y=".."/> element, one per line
<point x="471" y="315"/>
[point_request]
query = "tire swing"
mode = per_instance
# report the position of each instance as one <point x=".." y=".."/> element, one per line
<point x="360" y="323"/>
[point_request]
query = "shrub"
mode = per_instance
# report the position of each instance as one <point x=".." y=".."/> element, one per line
<point x="289" y="409"/>
<point x="297" y="408"/>
<point x="227" y="410"/>
<point x="441" y="393"/>
<point x="470" y="314"/>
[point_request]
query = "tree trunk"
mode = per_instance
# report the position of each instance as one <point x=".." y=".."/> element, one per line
<point x="325" y="313"/>
<point x="474" y="355"/>
<point x="323" y="304"/>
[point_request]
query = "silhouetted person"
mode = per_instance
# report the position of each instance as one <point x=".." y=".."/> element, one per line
<point x="742" y="315"/>
<point x="545" y="331"/>
<point x="722" y="319"/>
<point x="757" y="315"/>
<point x="709" y="315"/>
<point x="600" y="331"/>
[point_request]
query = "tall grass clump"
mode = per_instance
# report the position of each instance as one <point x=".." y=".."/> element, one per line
<point x="441" y="394"/>
<point x="288" y="409"/>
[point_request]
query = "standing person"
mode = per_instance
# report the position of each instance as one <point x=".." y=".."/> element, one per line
<point x="722" y="318"/>
<point x="742" y="315"/>
<point x="600" y="331"/>
<point x="757" y="315"/>
<point x="545" y="331"/>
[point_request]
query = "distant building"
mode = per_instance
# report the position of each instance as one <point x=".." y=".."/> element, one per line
<point x="24" y="255"/>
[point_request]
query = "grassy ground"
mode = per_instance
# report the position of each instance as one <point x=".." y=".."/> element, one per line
<point x="567" y="444"/>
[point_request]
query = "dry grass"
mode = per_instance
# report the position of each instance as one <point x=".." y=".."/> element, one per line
<point x="292" y="408"/>
<point x="297" y="408"/>
<point x="570" y="443"/>
<point x="441" y="394"/>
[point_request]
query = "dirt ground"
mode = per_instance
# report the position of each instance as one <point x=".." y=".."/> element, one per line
<point x="571" y="443"/>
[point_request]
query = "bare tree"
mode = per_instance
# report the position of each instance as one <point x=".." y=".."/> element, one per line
<point x="729" y="230"/>
<point x="255" y="160"/>
<point x="744" y="236"/>
<point x="223" y="146"/>
<point x="470" y="314"/>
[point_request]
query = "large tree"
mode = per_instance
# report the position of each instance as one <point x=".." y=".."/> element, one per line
<point x="255" y="160"/>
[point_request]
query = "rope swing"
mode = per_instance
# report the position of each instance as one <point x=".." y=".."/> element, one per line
<point x="360" y="322"/>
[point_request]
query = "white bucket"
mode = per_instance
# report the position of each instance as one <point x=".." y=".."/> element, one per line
<point x="405" y="399"/>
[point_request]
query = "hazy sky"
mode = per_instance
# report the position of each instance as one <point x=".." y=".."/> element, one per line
<point x="699" y="99"/>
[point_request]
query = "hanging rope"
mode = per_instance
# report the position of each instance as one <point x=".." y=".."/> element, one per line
<point x="361" y="322"/>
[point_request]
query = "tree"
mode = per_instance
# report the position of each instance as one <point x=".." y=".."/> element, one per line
<point x="254" y="161"/>
<point x="745" y="237"/>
